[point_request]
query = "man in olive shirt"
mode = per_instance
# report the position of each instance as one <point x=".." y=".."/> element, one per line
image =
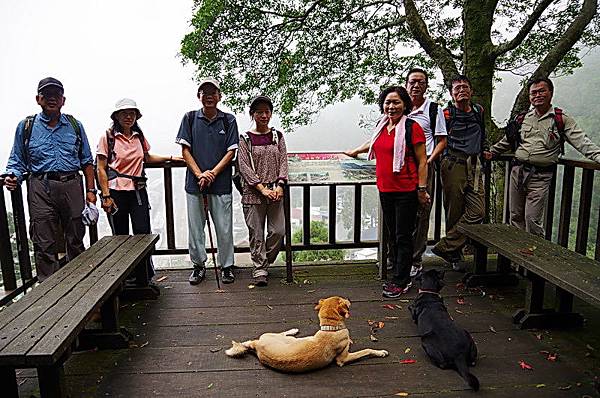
<point x="536" y="156"/>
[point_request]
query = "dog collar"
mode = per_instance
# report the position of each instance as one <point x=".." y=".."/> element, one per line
<point x="429" y="291"/>
<point x="329" y="328"/>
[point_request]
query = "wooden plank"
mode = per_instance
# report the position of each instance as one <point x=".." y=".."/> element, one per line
<point x="571" y="271"/>
<point x="58" y="339"/>
<point x="14" y="351"/>
<point x="37" y="304"/>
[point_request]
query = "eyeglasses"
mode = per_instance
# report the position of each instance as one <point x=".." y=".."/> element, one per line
<point x="460" y="87"/>
<point x="51" y="93"/>
<point x="533" y="93"/>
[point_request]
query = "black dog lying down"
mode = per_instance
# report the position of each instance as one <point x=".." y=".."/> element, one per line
<point x="446" y="344"/>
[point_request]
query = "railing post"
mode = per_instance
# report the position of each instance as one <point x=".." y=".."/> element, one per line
<point x="332" y="212"/>
<point x="487" y="185"/>
<point x="506" y="204"/>
<point x="585" y="209"/>
<point x="306" y="214"/>
<point x="357" y="212"/>
<point x="549" y="223"/>
<point x="288" y="233"/>
<point x="566" y="204"/>
<point x="437" y="231"/>
<point x="7" y="263"/>
<point x="168" y="184"/>
<point x="21" y="231"/>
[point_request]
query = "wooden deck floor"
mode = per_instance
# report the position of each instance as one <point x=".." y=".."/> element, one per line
<point x="182" y="336"/>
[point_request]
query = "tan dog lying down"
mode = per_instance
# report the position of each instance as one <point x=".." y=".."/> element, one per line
<point x="284" y="352"/>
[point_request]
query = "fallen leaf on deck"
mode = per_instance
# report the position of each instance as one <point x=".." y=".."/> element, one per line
<point x="552" y="357"/>
<point x="373" y="338"/>
<point x="407" y="350"/>
<point x="398" y="306"/>
<point x="190" y="363"/>
<point x="210" y="385"/>
<point x="381" y="324"/>
<point x="407" y="361"/>
<point x="404" y="301"/>
<point x="219" y="291"/>
<point x="392" y="317"/>
<point x="492" y="329"/>
<point x="589" y="347"/>
<point x="525" y="365"/>
<point x="269" y="306"/>
<point x="311" y="291"/>
<point x="213" y="350"/>
<point x="306" y="282"/>
<point x="460" y="286"/>
<point x="460" y="301"/>
<point x="539" y="336"/>
<point x="370" y="322"/>
<point x="168" y="287"/>
<point x="564" y="388"/>
<point x="389" y="306"/>
<point x="402" y="394"/>
<point x="251" y="286"/>
<point x="540" y="385"/>
<point x="526" y="251"/>
<point x="145" y="344"/>
<point x="459" y="311"/>
<point x="162" y="278"/>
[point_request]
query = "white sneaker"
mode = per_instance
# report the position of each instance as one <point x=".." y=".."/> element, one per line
<point x="415" y="269"/>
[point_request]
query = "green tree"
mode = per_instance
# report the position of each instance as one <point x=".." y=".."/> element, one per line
<point x="311" y="53"/>
<point x="318" y="234"/>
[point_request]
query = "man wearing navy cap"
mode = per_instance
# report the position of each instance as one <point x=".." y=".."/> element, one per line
<point x="50" y="148"/>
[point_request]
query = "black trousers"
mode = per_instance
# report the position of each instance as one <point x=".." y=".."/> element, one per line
<point x="400" y="213"/>
<point x="138" y="211"/>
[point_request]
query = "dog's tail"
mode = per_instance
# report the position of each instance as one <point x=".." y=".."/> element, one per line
<point x="463" y="370"/>
<point x="239" y="349"/>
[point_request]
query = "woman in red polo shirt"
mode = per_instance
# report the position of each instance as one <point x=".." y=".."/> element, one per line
<point x="121" y="155"/>
<point x="398" y="144"/>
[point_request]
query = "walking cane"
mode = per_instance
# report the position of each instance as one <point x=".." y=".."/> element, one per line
<point x="212" y="246"/>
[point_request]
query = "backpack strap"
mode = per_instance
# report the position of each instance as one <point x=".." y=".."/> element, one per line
<point x="73" y="122"/>
<point x="559" y="122"/>
<point x="433" y="111"/>
<point x="244" y="136"/>
<point x="27" y="129"/>
<point x="408" y="133"/>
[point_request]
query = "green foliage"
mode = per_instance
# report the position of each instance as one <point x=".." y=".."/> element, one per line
<point x="318" y="234"/>
<point x="307" y="54"/>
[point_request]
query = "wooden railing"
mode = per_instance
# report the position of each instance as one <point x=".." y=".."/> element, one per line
<point x="566" y="167"/>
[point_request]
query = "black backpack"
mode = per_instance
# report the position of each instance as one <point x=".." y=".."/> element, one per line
<point x="28" y="128"/>
<point x="512" y="131"/>
<point x="450" y="116"/>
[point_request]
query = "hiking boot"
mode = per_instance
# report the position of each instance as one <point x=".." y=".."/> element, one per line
<point x="197" y="276"/>
<point x="260" y="280"/>
<point x="416" y="269"/>
<point x="227" y="275"/>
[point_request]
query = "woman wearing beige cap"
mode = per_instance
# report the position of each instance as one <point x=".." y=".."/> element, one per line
<point x="121" y="155"/>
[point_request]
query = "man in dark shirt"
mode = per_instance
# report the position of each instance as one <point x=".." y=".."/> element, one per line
<point x="52" y="147"/>
<point x="462" y="176"/>
<point x="209" y="139"/>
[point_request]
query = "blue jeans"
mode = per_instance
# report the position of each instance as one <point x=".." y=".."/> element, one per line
<point x="221" y="213"/>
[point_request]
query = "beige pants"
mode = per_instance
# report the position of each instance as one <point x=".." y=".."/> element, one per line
<point x="263" y="252"/>
<point x="528" y="205"/>
<point x="464" y="202"/>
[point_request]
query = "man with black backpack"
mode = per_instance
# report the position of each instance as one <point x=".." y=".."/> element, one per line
<point x="537" y="138"/>
<point x="461" y="170"/>
<point x="50" y="148"/>
<point x="209" y="139"/>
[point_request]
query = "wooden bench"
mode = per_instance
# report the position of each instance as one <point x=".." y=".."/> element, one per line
<point x="40" y="330"/>
<point x="543" y="261"/>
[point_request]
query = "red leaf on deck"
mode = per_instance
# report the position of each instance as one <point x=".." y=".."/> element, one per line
<point x="526" y="251"/>
<point x="552" y="357"/>
<point x="460" y="300"/>
<point x="408" y="361"/>
<point x="389" y="306"/>
<point x="525" y="365"/>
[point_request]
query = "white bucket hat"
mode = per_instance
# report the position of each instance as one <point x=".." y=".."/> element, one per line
<point x="125" y="103"/>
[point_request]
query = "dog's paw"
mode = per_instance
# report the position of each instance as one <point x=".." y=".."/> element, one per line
<point x="291" y="332"/>
<point x="382" y="353"/>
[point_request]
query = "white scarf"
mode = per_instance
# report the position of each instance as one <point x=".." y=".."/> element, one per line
<point x="399" y="141"/>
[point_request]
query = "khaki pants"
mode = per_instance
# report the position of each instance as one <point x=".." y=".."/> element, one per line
<point x="421" y="234"/>
<point x="263" y="252"/>
<point x="528" y="205"/>
<point x="462" y="202"/>
<point x="50" y="202"/>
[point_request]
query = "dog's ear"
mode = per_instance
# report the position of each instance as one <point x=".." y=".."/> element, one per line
<point x="318" y="306"/>
<point x="344" y="308"/>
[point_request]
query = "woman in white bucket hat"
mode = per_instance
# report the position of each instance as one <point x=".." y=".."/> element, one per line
<point x="120" y="156"/>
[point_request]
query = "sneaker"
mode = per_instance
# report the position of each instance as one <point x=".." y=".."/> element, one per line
<point x="260" y="280"/>
<point x="449" y="257"/>
<point x="197" y="276"/>
<point x="227" y="275"/>
<point x="416" y="269"/>
<point x="392" y="291"/>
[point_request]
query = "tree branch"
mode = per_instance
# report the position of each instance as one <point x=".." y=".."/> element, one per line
<point x="503" y="48"/>
<point x="441" y="55"/>
<point x="386" y="26"/>
<point x="557" y="53"/>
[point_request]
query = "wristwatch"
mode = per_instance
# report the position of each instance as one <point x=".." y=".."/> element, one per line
<point x="92" y="190"/>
